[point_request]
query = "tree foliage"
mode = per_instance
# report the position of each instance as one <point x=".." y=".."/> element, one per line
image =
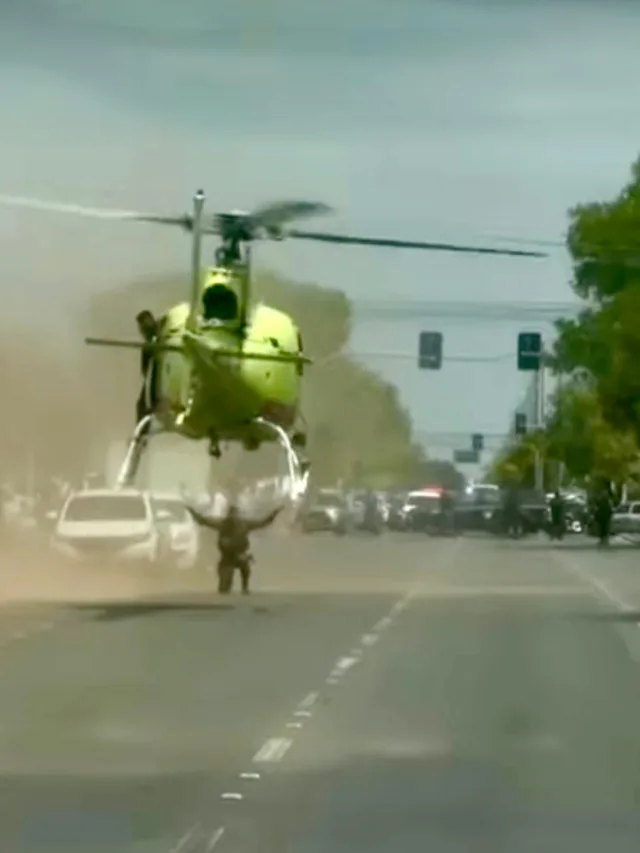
<point x="604" y="341"/>
<point x="358" y="429"/>
<point x="579" y="435"/>
<point x="515" y="464"/>
<point x="577" y="443"/>
<point x="594" y="427"/>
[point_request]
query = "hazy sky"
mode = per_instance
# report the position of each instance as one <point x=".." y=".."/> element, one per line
<point x="444" y="120"/>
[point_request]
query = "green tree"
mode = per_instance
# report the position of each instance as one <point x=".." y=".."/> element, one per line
<point x="594" y="428"/>
<point x="577" y="440"/>
<point x="516" y="463"/>
<point x="604" y="243"/>
<point x="586" y="443"/>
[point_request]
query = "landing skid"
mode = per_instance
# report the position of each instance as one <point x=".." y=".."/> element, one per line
<point x="135" y="451"/>
<point x="298" y="469"/>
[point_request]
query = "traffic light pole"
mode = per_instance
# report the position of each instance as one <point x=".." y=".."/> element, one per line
<point x="539" y="456"/>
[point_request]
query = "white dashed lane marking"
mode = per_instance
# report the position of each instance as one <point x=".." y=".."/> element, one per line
<point x="346" y="663"/>
<point x="273" y="750"/>
<point x="309" y="700"/>
<point x="215" y="838"/>
<point x="185" y="840"/>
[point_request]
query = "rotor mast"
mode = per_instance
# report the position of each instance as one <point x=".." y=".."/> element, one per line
<point x="196" y="258"/>
<point x="234" y="253"/>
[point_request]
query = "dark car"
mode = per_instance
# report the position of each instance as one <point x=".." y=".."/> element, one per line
<point x="478" y="508"/>
<point x="533" y="513"/>
<point x="326" y="511"/>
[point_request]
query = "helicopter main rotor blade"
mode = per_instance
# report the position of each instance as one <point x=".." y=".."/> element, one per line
<point x="343" y="239"/>
<point x="114" y="214"/>
<point x="280" y="212"/>
<point x="72" y="209"/>
<point x="268" y="218"/>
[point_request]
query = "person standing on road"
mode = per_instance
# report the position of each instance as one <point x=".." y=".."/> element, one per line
<point x="511" y="511"/>
<point x="447" y="512"/>
<point x="371" y="521"/>
<point x="603" y="513"/>
<point x="233" y="542"/>
<point x="557" y="511"/>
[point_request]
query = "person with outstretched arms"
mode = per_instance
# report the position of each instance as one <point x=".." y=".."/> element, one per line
<point x="233" y="542"/>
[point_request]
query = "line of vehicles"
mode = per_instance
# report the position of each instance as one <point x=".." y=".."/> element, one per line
<point x="344" y="512"/>
<point x="435" y="511"/>
<point x="150" y="528"/>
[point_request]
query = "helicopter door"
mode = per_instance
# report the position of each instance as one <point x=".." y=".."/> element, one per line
<point x="173" y="381"/>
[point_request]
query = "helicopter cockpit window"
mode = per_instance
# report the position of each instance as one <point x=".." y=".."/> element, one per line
<point x="219" y="303"/>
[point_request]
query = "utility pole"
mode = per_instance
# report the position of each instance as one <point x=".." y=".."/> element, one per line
<point x="539" y="461"/>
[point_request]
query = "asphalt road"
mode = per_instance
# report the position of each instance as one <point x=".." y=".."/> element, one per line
<point x="373" y="694"/>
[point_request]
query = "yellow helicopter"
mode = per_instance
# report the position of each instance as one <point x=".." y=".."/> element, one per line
<point x="218" y="367"/>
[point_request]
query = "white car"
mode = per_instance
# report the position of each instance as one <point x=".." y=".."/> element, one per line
<point x="626" y="519"/>
<point x="178" y="530"/>
<point x="107" y="525"/>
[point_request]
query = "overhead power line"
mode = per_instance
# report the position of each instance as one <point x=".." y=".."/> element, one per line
<point x="411" y="356"/>
<point x="407" y="309"/>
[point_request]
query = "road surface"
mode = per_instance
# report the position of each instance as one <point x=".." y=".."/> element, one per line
<point x="372" y="695"/>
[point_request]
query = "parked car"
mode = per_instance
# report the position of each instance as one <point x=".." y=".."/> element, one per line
<point x="108" y="526"/>
<point x="178" y="531"/>
<point x="422" y="509"/>
<point x="327" y="510"/>
<point x="626" y="519"/>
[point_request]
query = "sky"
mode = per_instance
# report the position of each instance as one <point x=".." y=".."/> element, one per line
<point x="422" y="119"/>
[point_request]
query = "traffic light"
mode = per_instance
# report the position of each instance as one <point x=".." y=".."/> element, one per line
<point x="529" y="351"/>
<point x="477" y="442"/>
<point x="521" y="424"/>
<point x="430" y="351"/>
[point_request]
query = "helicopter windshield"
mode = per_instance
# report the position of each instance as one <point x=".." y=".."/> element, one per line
<point x="219" y="303"/>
